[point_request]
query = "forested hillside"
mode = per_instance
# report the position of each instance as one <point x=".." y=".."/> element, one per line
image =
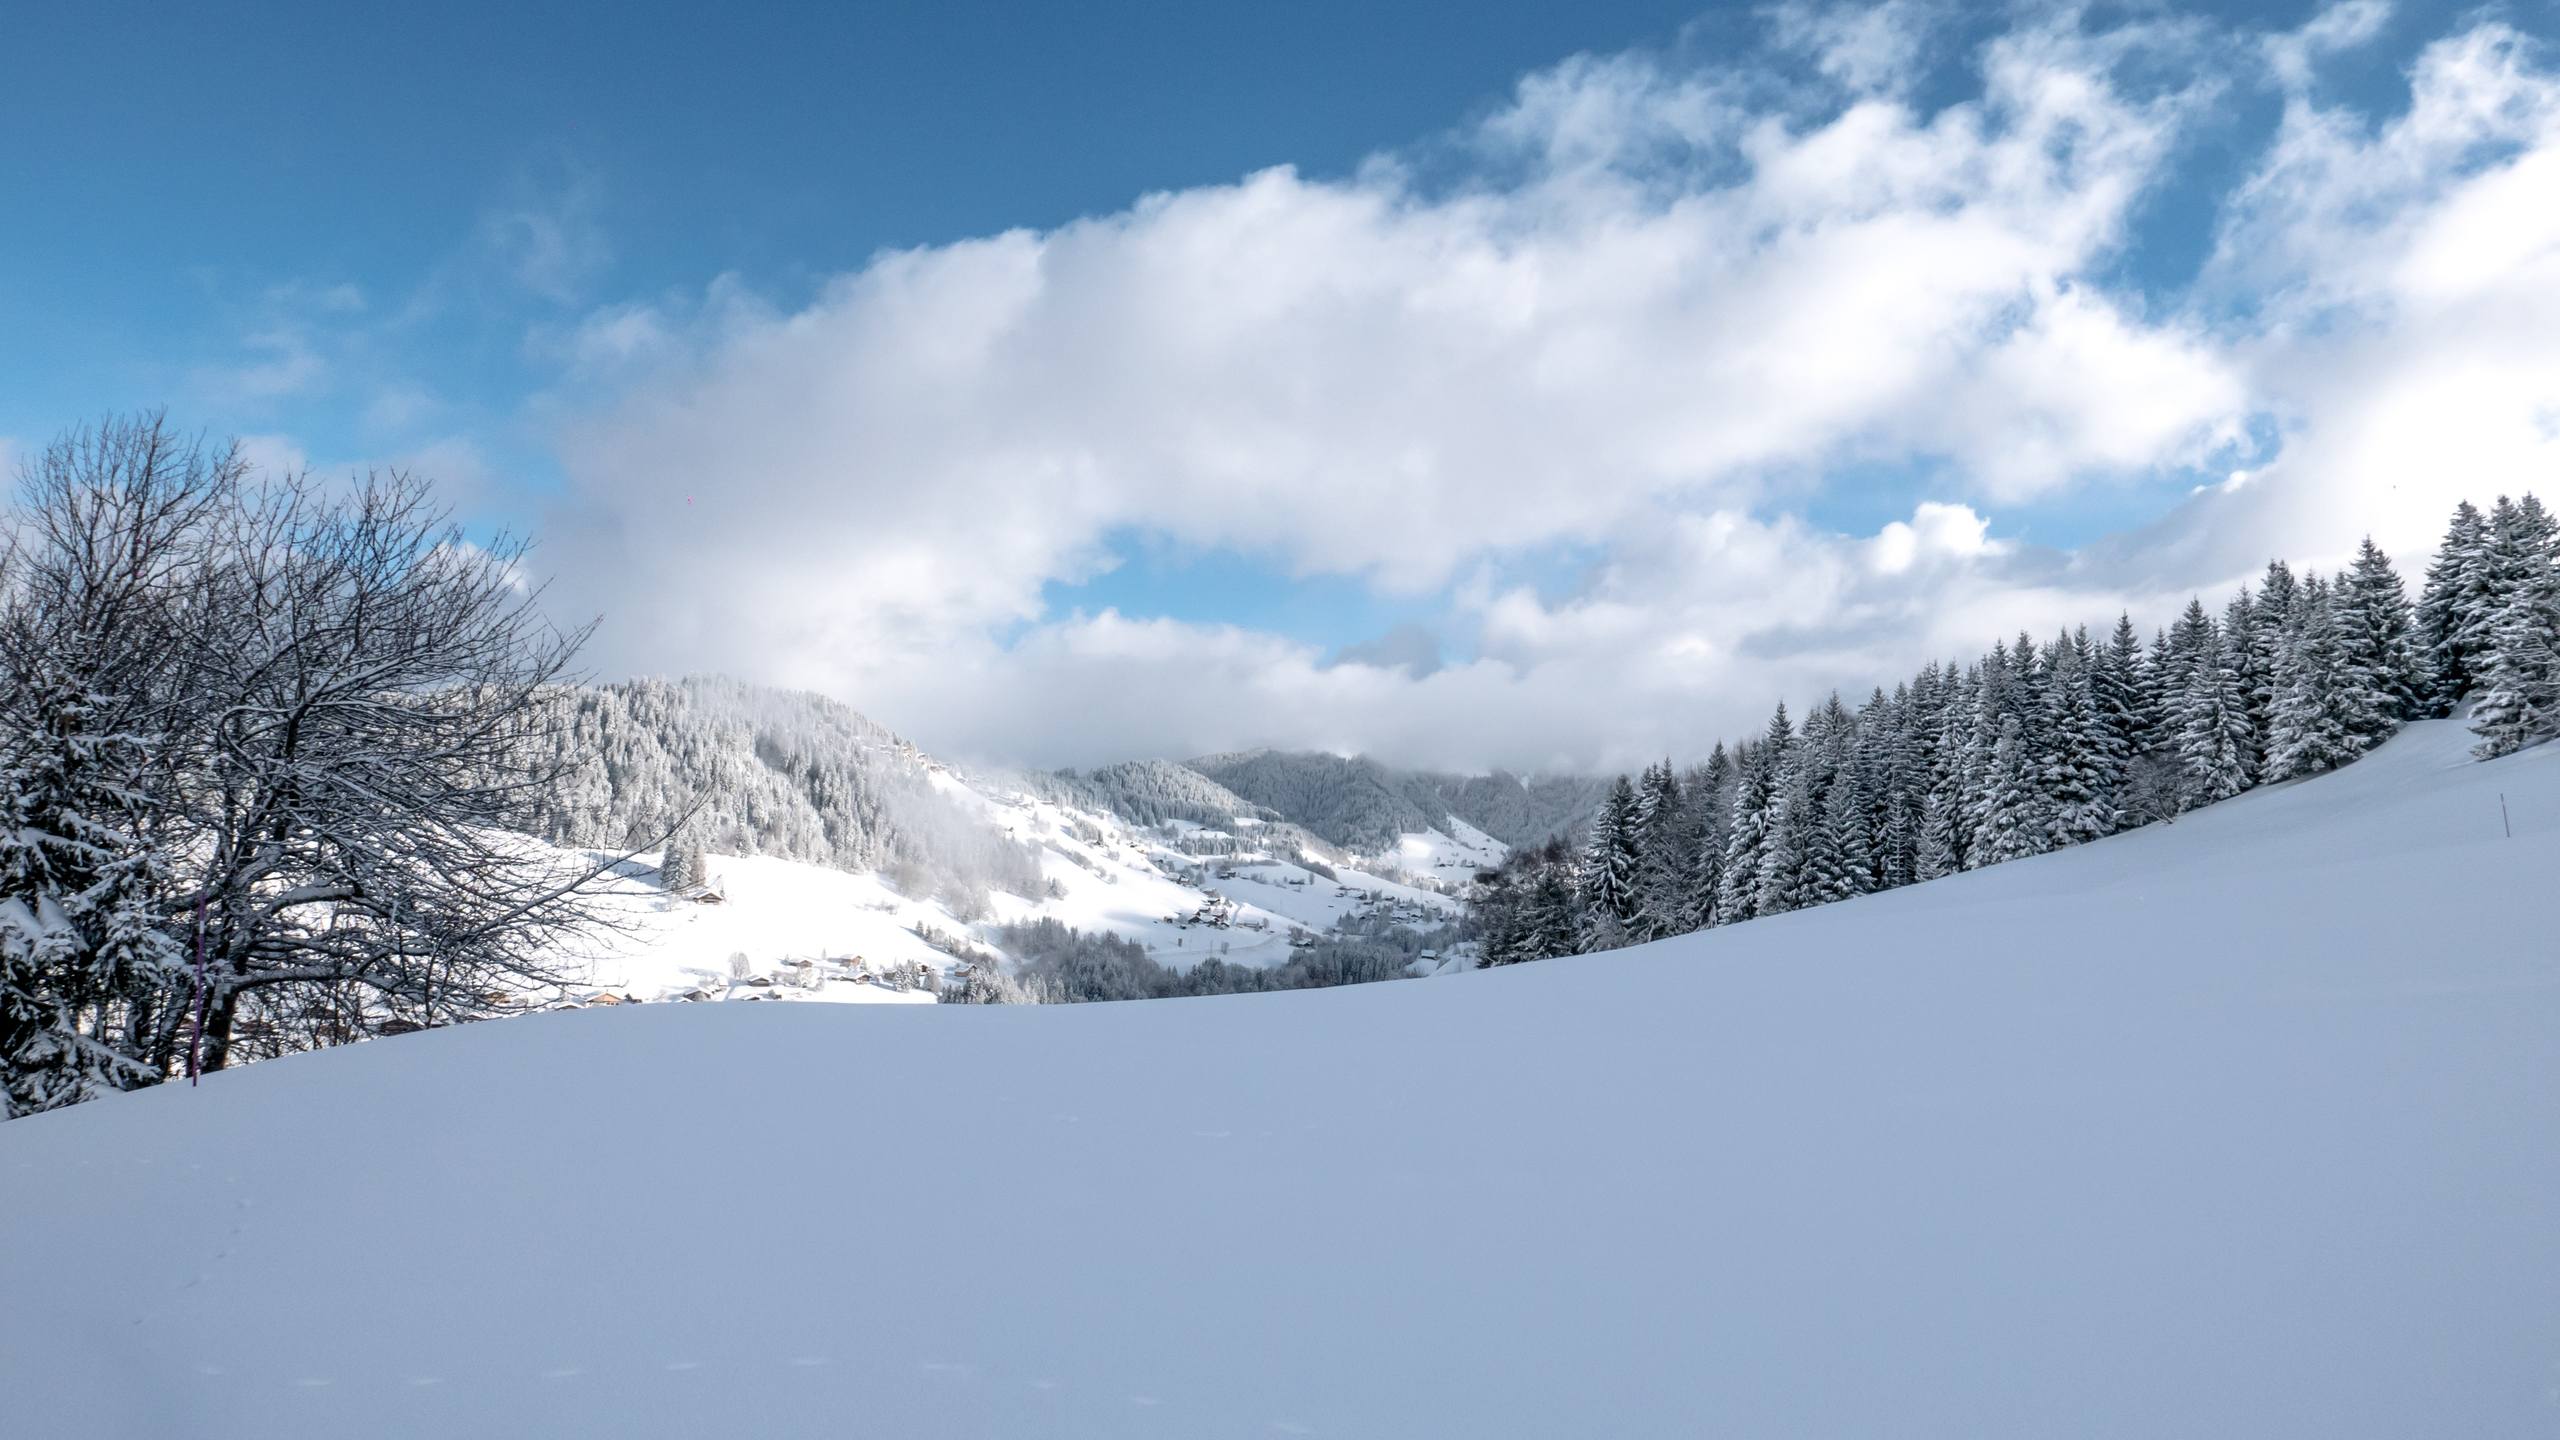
<point x="1364" y="806"/>
<point x="2040" y="745"/>
<point x="766" y="772"/>
<point x="1147" y="792"/>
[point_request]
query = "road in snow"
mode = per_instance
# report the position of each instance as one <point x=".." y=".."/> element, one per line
<point x="2241" y="1127"/>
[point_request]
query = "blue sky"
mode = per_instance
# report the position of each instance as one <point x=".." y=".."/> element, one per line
<point x="574" y="259"/>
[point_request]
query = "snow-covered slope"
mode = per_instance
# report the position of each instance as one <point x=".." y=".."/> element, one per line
<point x="2242" y="1126"/>
<point x="832" y="840"/>
<point x="785" y="930"/>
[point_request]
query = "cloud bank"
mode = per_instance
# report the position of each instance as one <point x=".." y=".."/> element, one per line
<point x="1661" y="314"/>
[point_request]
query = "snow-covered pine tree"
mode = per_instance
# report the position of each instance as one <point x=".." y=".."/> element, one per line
<point x="2164" y="698"/>
<point x="1991" y="716"/>
<point x="1494" y="909"/>
<point x="2116" y="683"/>
<point x="97" y="635"/>
<point x="2176" y="667"/>
<point x="2537" y="527"/>
<point x="2024" y="695"/>
<point x="84" y="959"/>
<point x="2452" y="621"/>
<point x="1892" y="778"/>
<point x="1938" y="853"/>
<point x="1664" y="850"/>
<point x="2244" y="650"/>
<point x="2313" y="725"/>
<point x="1611" y="882"/>
<point x="1953" y="775"/>
<point x="1795" y="818"/>
<point x="2080" y="766"/>
<point x="1755" y="802"/>
<point x="1555" y="925"/>
<point x="2014" y="820"/>
<point x="2519" y="702"/>
<point x="1710" y="795"/>
<point x="2215" y="728"/>
<point x="1839" y="862"/>
<point x="2270" y="622"/>
<point x="2385" y="680"/>
<point x="680" y="867"/>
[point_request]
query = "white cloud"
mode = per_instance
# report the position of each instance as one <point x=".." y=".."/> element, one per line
<point x="2342" y="26"/>
<point x="274" y="455"/>
<point x="2412" y="276"/>
<point x="1866" y="47"/>
<point x="1668" y="311"/>
<point x="1669" y="300"/>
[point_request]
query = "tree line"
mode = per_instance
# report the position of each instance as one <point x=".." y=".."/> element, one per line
<point x="1056" y="964"/>
<point x="262" y="743"/>
<point x="2036" y="746"/>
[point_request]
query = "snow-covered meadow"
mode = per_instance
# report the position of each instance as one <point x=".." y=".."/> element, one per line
<point x="2237" y="1126"/>
<point x="773" y="929"/>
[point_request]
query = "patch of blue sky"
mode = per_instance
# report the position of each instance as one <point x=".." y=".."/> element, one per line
<point x="1152" y="578"/>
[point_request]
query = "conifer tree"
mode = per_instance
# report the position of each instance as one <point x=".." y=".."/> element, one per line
<point x="2313" y="724"/>
<point x="83" y="955"/>
<point x="1754" y="812"/>
<point x="1982" y="757"/>
<point x="680" y="865"/>
<point x="2381" y="665"/>
<point x="1711" y="798"/>
<point x="1664" y="842"/>
<point x="2173" y="666"/>
<point x="1839" y="862"/>
<point x="1795" y="821"/>
<point x="2115" y="682"/>
<point x="1952" y="778"/>
<point x="2014" y="822"/>
<point x="2164" y="696"/>
<point x="1612" y="892"/>
<point x="2270" y="623"/>
<point x="1553" y="924"/>
<point x="1939" y="853"/>
<point x="2451" y="622"/>
<point x="99" y="617"/>
<point x="2519" y="701"/>
<point x="1894" y="780"/>
<point x="2244" y="650"/>
<point x="2022" y="698"/>
<point x="2215" y="727"/>
<point x="2080" y="767"/>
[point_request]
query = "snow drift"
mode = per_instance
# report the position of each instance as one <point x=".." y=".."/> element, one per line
<point x="2241" y="1126"/>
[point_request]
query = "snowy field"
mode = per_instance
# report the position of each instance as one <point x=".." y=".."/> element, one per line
<point x="2241" y="1127"/>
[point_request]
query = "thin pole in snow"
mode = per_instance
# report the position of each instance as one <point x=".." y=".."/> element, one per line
<point x="2508" y="825"/>
<point x="195" y="1042"/>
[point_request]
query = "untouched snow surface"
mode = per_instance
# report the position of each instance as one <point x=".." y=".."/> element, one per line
<point x="2241" y="1127"/>
<point x="777" y="913"/>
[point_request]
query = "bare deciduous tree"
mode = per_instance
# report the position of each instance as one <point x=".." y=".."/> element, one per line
<point x="315" y="713"/>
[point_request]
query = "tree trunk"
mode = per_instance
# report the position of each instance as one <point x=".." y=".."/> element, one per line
<point x="221" y="1012"/>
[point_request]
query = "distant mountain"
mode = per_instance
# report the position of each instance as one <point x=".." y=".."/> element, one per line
<point x="796" y="776"/>
<point x="905" y="859"/>
<point x="1356" y="803"/>
<point x="1365" y="806"/>
<point x="1146" y="792"/>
